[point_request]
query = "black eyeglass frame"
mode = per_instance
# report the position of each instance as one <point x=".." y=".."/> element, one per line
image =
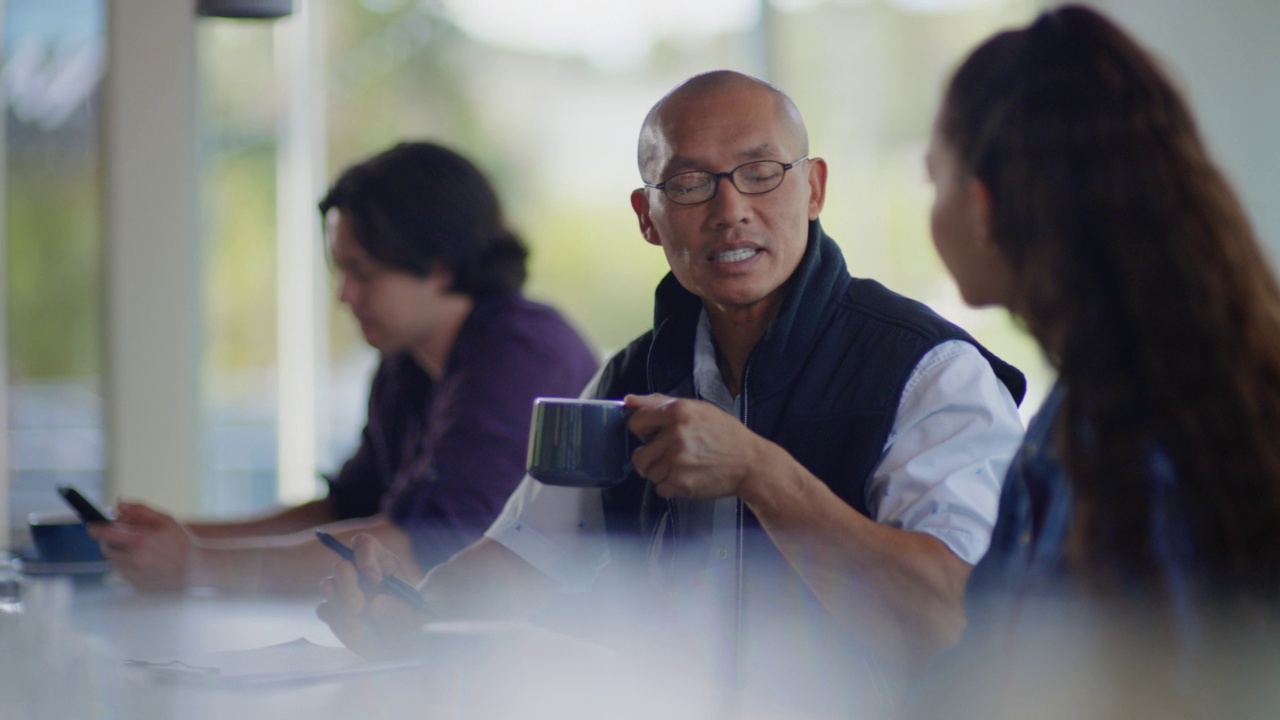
<point x="728" y="175"/>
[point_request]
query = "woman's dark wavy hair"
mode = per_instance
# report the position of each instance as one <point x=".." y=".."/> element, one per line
<point x="1138" y="273"/>
<point x="419" y="204"/>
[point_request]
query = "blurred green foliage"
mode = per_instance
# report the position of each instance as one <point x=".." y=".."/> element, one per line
<point x="53" y="254"/>
<point x="240" y="258"/>
<point x="602" y="280"/>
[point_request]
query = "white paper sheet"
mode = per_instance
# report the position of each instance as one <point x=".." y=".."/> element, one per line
<point x="294" y="662"/>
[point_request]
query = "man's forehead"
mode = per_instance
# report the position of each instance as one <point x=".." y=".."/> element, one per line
<point x="694" y="140"/>
<point x="719" y="106"/>
<point x="718" y="118"/>
<point x="341" y="233"/>
<point x="703" y="157"/>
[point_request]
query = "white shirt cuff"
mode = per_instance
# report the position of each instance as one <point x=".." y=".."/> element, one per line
<point x="558" y="530"/>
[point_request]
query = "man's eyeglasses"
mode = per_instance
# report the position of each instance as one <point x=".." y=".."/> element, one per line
<point x="753" y="178"/>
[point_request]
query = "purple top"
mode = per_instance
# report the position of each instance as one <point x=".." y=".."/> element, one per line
<point x="440" y="459"/>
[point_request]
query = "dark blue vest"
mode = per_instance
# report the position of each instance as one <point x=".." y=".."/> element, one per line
<point x="824" y="382"/>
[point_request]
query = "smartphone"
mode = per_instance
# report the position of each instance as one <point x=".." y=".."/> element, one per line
<point x="87" y="511"/>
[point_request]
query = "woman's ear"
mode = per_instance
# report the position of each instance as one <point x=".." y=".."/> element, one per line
<point x="980" y="212"/>
<point x="1000" y="275"/>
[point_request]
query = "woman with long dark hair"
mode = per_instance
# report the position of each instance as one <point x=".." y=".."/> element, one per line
<point x="1073" y="188"/>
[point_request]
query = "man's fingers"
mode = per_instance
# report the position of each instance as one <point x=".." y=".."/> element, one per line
<point x="111" y="533"/>
<point x="113" y="554"/>
<point x="348" y="592"/>
<point x="342" y="623"/>
<point x="139" y="514"/>
<point x="646" y="401"/>
<point x="329" y="587"/>
<point x="650" y="415"/>
<point x="115" y="541"/>
<point x="379" y="605"/>
<point x="357" y="587"/>
<point x="372" y="559"/>
<point x="126" y="511"/>
<point x="325" y="610"/>
<point x="653" y="459"/>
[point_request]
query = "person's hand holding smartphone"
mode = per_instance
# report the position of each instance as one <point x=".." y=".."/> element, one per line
<point x="87" y="511"/>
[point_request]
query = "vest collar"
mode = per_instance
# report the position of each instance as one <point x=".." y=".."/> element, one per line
<point x="777" y="357"/>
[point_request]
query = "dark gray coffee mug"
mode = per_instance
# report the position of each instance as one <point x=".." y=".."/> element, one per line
<point x="580" y="443"/>
<point x="62" y="538"/>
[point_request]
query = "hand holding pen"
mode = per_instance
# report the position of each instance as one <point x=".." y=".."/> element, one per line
<point x="390" y="583"/>
<point x="360" y="614"/>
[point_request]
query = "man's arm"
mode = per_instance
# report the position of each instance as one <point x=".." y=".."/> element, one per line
<point x="899" y="591"/>
<point x="154" y="552"/>
<point x="484" y="580"/>
<point x="280" y="522"/>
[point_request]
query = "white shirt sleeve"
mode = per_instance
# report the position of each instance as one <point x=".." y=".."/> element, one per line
<point x="954" y="436"/>
<point x="558" y="530"/>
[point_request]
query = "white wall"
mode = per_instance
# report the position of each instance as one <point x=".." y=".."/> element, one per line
<point x="1226" y="55"/>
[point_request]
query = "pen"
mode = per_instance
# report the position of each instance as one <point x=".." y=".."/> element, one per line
<point x="390" y="583"/>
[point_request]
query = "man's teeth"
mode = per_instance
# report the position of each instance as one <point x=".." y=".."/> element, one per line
<point x="734" y="255"/>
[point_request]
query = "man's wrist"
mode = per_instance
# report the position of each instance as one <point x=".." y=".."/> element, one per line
<point x="204" y="565"/>
<point x="766" y="475"/>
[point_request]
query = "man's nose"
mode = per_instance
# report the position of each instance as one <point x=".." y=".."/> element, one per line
<point x="728" y="205"/>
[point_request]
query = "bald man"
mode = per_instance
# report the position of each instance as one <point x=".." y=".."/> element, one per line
<point x="822" y="457"/>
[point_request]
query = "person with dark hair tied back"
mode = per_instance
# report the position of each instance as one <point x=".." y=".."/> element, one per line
<point x="1135" y="562"/>
<point x="432" y="274"/>
<point x="420" y="208"/>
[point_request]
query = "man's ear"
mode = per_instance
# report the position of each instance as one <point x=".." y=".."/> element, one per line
<point x="640" y="203"/>
<point x="817" y="176"/>
<point x="441" y="274"/>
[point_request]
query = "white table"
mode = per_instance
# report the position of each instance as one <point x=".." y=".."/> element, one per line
<point x="76" y="669"/>
<point x="521" y="671"/>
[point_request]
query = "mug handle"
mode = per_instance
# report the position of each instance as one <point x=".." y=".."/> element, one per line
<point x="630" y="439"/>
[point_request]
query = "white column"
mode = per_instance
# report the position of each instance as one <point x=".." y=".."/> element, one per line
<point x="301" y="354"/>
<point x="151" y="261"/>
